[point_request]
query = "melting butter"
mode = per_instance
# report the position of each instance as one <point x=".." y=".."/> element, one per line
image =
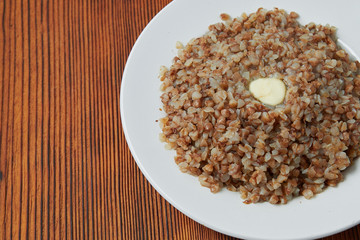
<point x="269" y="91"/>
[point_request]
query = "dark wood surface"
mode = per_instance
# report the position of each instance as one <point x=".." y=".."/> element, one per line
<point x="65" y="169"/>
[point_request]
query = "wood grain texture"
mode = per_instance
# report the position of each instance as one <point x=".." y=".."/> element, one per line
<point x="65" y="169"/>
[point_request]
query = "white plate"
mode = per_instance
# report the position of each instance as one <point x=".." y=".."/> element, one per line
<point x="332" y="211"/>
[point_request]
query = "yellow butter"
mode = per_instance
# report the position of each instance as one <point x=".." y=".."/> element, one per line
<point x="269" y="91"/>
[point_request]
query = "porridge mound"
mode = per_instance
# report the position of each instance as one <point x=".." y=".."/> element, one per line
<point x="227" y="138"/>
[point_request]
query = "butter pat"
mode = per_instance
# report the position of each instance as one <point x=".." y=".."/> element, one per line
<point x="269" y="91"/>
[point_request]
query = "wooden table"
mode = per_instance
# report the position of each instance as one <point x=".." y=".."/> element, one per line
<point x="65" y="168"/>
